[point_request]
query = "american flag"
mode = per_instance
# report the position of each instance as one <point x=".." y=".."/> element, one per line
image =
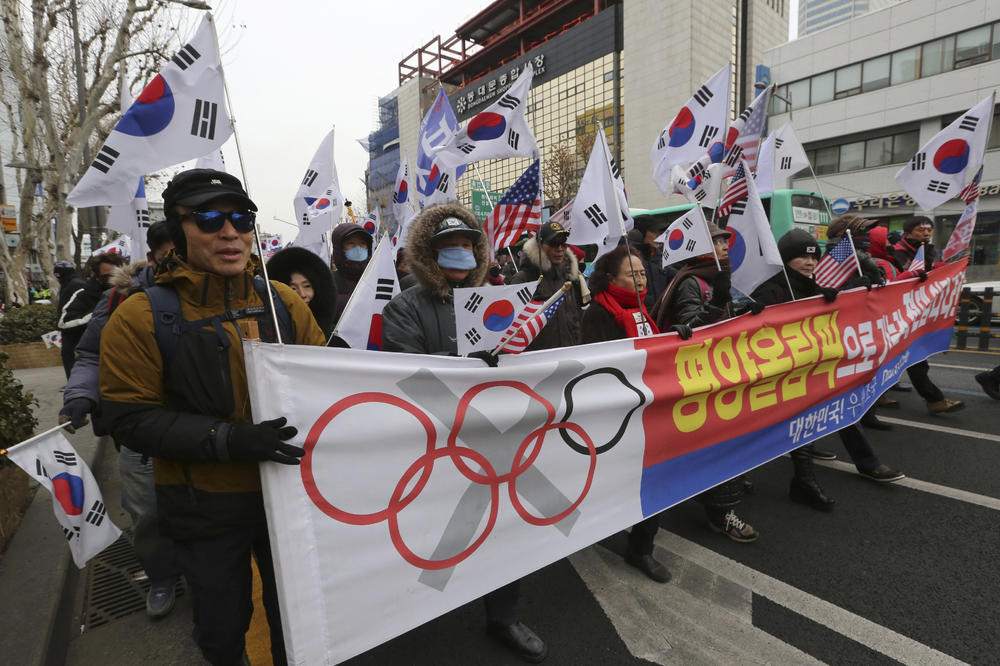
<point x="837" y="265"/>
<point x="518" y="211"/>
<point x="737" y="190"/>
<point x="743" y="138"/>
<point x="528" y="326"/>
<point x="971" y="191"/>
<point x="917" y="264"/>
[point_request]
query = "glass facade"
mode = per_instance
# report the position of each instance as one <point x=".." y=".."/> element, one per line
<point x="561" y="113"/>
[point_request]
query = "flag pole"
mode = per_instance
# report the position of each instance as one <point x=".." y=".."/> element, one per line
<point x="854" y="252"/>
<point x="819" y="188"/>
<point x="4" y="452"/>
<point x="715" y="252"/>
<point x="544" y="306"/>
<point x="489" y="200"/>
<point x="246" y="184"/>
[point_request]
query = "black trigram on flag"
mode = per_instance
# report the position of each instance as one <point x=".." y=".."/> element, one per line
<point x="687" y="223"/>
<point x="524" y="295"/>
<point x="689" y="246"/>
<point x="616" y="173"/>
<point x="203" y="121"/>
<point x="697" y="169"/>
<point x="703" y="95"/>
<point x="700" y="194"/>
<point x="595" y="215"/>
<point x="778" y="142"/>
<point x="383" y="289"/>
<point x="395" y="197"/>
<point x="70" y="533"/>
<point x="67" y="458"/>
<point x="938" y="186"/>
<point x="473" y="303"/>
<point x="969" y="123"/>
<point x="472" y="335"/>
<point x="918" y="162"/>
<point x="707" y="135"/>
<point x="508" y="101"/>
<point x="786" y="163"/>
<point x="443" y="183"/>
<point x="97" y="513"/>
<point x="466" y="147"/>
<point x="142" y="218"/>
<point x="735" y="153"/>
<point x="309" y="178"/>
<point x="739" y="207"/>
<point x="40" y="469"/>
<point x="513" y="138"/>
<point x="662" y="142"/>
<point x="186" y="57"/>
<point x="105" y="158"/>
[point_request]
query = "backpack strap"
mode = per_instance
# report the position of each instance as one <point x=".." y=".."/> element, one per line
<point x="706" y="294"/>
<point x="167" y="321"/>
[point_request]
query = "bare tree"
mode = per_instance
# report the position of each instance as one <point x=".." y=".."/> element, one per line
<point x="560" y="174"/>
<point x="118" y="40"/>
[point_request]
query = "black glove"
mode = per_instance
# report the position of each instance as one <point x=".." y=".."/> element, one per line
<point x="866" y="282"/>
<point x="829" y="294"/>
<point x="75" y="413"/>
<point x="263" y="441"/>
<point x="720" y="288"/>
<point x="756" y="307"/>
<point x="683" y="330"/>
<point x="922" y="274"/>
<point x="495" y="271"/>
<point x="485" y="356"/>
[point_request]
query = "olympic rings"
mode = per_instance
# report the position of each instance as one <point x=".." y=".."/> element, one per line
<point x="463" y="407"/>
<point x="426" y="462"/>
<point x="512" y="491"/>
<point x="324" y="420"/>
<point x="568" y="393"/>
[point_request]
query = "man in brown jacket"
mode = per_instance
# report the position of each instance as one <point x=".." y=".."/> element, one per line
<point x="177" y="392"/>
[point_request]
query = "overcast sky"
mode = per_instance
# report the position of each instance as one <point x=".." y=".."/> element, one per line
<point x="299" y="67"/>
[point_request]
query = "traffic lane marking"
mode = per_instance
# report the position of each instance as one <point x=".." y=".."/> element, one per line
<point x="939" y="428"/>
<point x="959" y="367"/>
<point x="984" y="501"/>
<point x="881" y="639"/>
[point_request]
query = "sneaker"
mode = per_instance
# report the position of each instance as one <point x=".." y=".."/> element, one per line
<point x="818" y="454"/>
<point x="945" y="406"/>
<point x="882" y="474"/>
<point x="648" y="565"/>
<point x="991" y="387"/>
<point x="160" y="600"/>
<point x="734" y="528"/>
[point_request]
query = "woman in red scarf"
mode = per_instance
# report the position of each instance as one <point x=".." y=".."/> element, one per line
<point x="614" y="314"/>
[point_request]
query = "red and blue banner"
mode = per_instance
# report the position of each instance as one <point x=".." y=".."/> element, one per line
<point x="431" y="480"/>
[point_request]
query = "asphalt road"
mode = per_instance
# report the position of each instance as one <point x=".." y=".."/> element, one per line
<point x="902" y="572"/>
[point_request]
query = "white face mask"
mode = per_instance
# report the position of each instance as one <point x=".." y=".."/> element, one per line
<point x="357" y="253"/>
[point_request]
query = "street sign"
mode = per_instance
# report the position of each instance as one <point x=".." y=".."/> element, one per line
<point x="481" y="207"/>
<point x="8" y="216"/>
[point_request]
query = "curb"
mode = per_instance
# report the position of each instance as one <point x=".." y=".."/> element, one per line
<point x="38" y="579"/>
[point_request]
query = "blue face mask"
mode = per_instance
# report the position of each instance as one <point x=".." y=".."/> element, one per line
<point x="357" y="253"/>
<point x="456" y="257"/>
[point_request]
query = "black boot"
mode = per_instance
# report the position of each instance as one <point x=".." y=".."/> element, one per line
<point x="804" y="488"/>
<point x="870" y="420"/>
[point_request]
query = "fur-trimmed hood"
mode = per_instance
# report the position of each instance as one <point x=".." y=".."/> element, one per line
<point x="300" y="260"/>
<point x="125" y="277"/>
<point x="537" y="258"/>
<point x="422" y="260"/>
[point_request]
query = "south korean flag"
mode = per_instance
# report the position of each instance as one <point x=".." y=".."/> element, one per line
<point x="938" y="171"/>
<point x="698" y="126"/>
<point x="483" y="314"/>
<point x="180" y="115"/>
<point x="686" y="237"/>
<point x="499" y="131"/>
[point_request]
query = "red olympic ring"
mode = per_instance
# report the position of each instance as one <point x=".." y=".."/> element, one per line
<point x="517" y="469"/>
<point x="426" y="462"/>
<point x="591" y="449"/>
<point x="309" y="481"/>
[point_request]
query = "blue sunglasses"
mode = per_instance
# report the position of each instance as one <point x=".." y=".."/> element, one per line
<point x="211" y="221"/>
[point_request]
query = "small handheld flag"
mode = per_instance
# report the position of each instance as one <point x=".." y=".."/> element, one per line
<point x="530" y="322"/>
<point x="838" y="264"/>
<point x="686" y="237"/>
<point x="76" y="498"/>
<point x="483" y="315"/>
<point x="917" y="263"/>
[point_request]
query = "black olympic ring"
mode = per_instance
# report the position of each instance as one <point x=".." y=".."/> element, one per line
<point x="568" y="396"/>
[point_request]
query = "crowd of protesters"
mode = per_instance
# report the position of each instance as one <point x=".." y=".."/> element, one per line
<point x="154" y="358"/>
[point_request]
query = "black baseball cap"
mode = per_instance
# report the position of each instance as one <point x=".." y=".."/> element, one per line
<point x="454" y="225"/>
<point x="195" y="187"/>
<point x="551" y="231"/>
